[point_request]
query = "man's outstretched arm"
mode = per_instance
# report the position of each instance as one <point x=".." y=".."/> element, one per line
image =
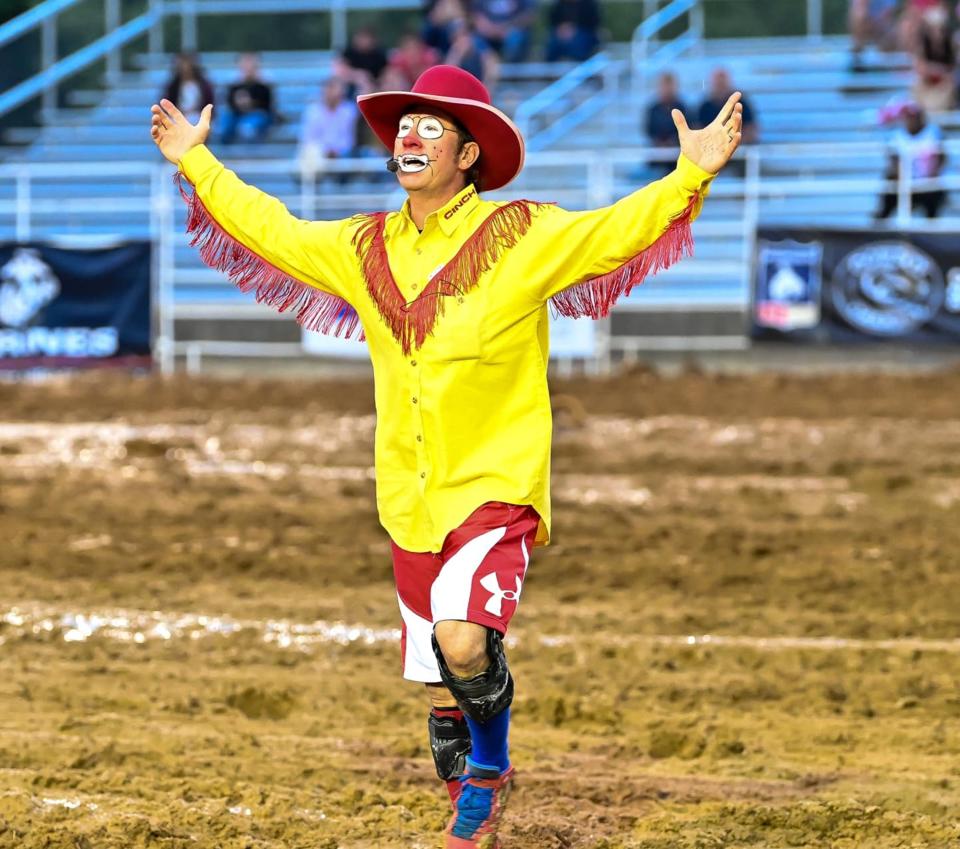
<point x="253" y="238"/>
<point x="595" y="257"/>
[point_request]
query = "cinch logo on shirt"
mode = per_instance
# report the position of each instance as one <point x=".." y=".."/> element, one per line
<point x="456" y="207"/>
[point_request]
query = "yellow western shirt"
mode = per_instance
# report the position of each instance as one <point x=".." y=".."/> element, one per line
<point x="463" y="417"/>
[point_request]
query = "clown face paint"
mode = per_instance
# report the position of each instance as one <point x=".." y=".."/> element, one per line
<point x="411" y="163"/>
<point x="429" y="127"/>
<point x="427" y="153"/>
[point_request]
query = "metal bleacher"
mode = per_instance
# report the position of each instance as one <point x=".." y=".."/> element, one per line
<point x="92" y="173"/>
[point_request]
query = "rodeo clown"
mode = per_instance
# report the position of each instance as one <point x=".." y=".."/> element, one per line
<point x="451" y="294"/>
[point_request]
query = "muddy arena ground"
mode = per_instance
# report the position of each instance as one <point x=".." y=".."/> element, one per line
<point x="197" y="620"/>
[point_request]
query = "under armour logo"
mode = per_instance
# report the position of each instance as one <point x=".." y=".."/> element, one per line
<point x="495" y="602"/>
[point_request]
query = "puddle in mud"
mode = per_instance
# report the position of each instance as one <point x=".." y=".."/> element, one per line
<point x="145" y="626"/>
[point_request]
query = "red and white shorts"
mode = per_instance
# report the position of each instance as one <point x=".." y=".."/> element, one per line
<point x="476" y="577"/>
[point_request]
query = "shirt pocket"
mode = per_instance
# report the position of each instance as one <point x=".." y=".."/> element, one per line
<point x="458" y="332"/>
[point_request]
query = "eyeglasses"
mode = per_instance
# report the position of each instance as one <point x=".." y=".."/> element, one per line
<point x="428" y="127"/>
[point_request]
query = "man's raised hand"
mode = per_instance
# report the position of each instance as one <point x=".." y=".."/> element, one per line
<point x="712" y="147"/>
<point x="173" y="133"/>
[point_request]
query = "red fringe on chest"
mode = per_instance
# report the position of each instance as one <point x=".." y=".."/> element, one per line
<point x="595" y="297"/>
<point x="315" y="309"/>
<point x="412" y="321"/>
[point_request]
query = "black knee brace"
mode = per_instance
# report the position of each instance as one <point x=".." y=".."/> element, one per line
<point x="450" y="744"/>
<point x="487" y="694"/>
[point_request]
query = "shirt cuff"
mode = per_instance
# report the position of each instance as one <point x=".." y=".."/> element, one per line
<point x="198" y="161"/>
<point x="690" y="176"/>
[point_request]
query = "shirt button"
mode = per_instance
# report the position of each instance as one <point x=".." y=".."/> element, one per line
<point x="419" y="251"/>
<point x="414" y="287"/>
<point x="414" y="399"/>
<point x="423" y="475"/>
<point x="413" y="362"/>
<point x="419" y="437"/>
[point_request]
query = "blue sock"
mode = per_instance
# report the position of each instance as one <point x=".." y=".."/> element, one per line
<point x="489" y="740"/>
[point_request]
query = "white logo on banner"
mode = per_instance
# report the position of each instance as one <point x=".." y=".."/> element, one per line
<point x="888" y="288"/>
<point x="27" y="285"/>
<point x="495" y="603"/>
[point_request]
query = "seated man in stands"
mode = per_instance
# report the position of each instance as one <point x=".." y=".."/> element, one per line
<point x="249" y="113"/>
<point x="469" y="52"/>
<point x="721" y="87"/>
<point x="440" y="19"/>
<point x="506" y="25"/>
<point x="659" y="125"/>
<point x="329" y="129"/>
<point x="362" y="63"/>
<point x="573" y="30"/>
<point x="918" y="145"/>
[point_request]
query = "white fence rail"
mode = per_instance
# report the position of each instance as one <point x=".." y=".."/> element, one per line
<point x="589" y="180"/>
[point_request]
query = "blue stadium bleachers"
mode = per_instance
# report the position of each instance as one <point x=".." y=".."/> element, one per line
<point x="803" y="93"/>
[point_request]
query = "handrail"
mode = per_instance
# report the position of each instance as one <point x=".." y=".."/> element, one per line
<point x="645" y="34"/>
<point x="721" y="284"/>
<point x="32" y="18"/>
<point x="151" y="21"/>
<point x="45" y="80"/>
<point x="600" y="64"/>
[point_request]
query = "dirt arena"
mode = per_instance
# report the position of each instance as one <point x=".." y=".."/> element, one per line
<point x="197" y="620"/>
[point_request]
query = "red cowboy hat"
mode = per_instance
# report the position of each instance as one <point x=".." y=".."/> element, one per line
<point x="466" y="98"/>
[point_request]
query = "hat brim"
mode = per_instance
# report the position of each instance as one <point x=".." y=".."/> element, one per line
<point x="502" y="149"/>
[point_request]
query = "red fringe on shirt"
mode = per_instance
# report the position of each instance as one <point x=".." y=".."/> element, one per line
<point x="596" y="296"/>
<point x="412" y="321"/>
<point x="315" y="309"/>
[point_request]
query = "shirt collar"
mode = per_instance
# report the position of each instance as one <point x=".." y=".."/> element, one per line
<point x="453" y="212"/>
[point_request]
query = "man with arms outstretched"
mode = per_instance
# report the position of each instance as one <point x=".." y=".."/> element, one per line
<point x="451" y="294"/>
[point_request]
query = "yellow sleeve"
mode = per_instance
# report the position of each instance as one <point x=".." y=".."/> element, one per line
<point x="307" y="266"/>
<point x="587" y="260"/>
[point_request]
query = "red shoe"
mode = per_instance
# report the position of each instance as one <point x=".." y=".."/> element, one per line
<point x="479" y="808"/>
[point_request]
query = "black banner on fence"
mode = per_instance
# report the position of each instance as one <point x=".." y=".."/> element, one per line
<point x="856" y="286"/>
<point x="62" y="307"/>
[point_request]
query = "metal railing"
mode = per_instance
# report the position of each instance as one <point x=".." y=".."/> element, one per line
<point x="648" y="54"/>
<point x="53" y="70"/>
<point x="576" y="96"/>
<point x="592" y="179"/>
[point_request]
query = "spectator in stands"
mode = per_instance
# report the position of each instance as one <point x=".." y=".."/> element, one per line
<point x="918" y="145"/>
<point x="189" y="87"/>
<point x="911" y="20"/>
<point x="721" y="87"/>
<point x="329" y="128"/>
<point x="871" y="21"/>
<point x="440" y="18"/>
<point x="573" y="30"/>
<point x="935" y="61"/>
<point x="506" y="25"/>
<point x="659" y="126"/>
<point x="249" y="113"/>
<point x="407" y="61"/>
<point x="362" y="63"/>
<point x="471" y="53"/>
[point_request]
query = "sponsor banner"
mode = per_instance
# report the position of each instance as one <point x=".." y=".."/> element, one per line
<point x="569" y="339"/>
<point x="64" y="307"/>
<point x="818" y="285"/>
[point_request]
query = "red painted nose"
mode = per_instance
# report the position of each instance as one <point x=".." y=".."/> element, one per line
<point x="411" y="141"/>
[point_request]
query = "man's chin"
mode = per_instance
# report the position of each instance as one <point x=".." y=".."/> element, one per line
<point x="414" y="180"/>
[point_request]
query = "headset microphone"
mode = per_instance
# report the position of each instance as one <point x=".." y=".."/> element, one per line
<point x="393" y="165"/>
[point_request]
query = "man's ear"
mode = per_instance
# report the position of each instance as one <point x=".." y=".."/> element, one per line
<point x="469" y="154"/>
